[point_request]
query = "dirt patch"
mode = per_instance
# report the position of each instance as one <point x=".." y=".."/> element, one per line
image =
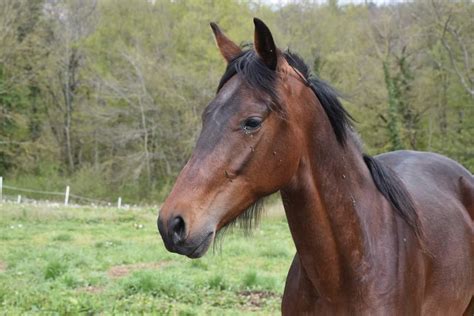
<point x="91" y="289"/>
<point x="3" y="266"/>
<point x="256" y="299"/>
<point x="126" y="269"/>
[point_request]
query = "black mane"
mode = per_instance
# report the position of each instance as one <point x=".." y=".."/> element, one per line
<point x="259" y="76"/>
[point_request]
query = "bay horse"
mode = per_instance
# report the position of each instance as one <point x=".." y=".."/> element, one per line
<point x="386" y="235"/>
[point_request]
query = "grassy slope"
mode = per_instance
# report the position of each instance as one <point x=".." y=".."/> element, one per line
<point x="70" y="260"/>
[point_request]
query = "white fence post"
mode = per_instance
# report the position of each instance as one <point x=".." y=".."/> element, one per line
<point x="18" y="200"/>
<point x="1" y="189"/>
<point x="119" y="202"/>
<point x="66" y="196"/>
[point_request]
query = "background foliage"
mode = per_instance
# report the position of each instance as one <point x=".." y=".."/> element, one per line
<point x="106" y="95"/>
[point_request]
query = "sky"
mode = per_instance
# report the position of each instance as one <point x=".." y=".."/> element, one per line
<point x="342" y="2"/>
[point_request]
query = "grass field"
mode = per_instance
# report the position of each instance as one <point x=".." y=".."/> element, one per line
<point x="57" y="260"/>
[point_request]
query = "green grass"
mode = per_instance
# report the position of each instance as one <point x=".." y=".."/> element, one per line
<point x="56" y="260"/>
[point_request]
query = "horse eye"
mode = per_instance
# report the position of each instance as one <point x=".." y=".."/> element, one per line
<point x="251" y="124"/>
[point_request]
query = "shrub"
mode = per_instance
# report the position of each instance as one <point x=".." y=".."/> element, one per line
<point x="54" y="269"/>
<point x="217" y="282"/>
<point x="250" y="279"/>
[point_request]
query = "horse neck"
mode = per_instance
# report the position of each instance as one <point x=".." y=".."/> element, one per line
<point x="323" y="205"/>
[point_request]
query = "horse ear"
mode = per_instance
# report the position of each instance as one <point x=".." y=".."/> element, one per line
<point x="228" y="49"/>
<point x="264" y="44"/>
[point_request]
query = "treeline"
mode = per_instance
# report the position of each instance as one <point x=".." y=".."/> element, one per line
<point x="106" y="95"/>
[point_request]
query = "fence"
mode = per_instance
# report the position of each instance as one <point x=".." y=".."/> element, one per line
<point x="20" y="196"/>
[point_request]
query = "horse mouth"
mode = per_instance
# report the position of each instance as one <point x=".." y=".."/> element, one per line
<point x="202" y="248"/>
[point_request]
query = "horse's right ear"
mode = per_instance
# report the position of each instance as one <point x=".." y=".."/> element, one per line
<point x="228" y="49"/>
<point x="264" y="44"/>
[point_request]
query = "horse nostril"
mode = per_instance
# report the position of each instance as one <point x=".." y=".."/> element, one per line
<point x="178" y="229"/>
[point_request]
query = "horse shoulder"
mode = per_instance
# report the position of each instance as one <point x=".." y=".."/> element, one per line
<point x="442" y="189"/>
<point x="436" y="183"/>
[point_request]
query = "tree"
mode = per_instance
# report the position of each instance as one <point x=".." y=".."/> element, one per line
<point x="19" y="119"/>
<point x="70" y="23"/>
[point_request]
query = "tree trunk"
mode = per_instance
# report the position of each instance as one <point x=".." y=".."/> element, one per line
<point x="393" y="124"/>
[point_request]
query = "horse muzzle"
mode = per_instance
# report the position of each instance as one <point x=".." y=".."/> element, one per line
<point x="177" y="239"/>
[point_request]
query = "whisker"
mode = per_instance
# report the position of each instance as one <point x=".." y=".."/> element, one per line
<point x="247" y="221"/>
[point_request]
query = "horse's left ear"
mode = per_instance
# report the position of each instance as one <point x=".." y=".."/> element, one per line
<point x="229" y="49"/>
<point x="264" y="44"/>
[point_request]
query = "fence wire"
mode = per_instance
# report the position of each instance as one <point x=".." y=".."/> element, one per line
<point x="32" y="191"/>
<point x="52" y="193"/>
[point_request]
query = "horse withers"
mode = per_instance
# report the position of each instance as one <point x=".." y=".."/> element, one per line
<point x="385" y="235"/>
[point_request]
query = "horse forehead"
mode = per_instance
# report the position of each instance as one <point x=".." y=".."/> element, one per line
<point x="228" y="90"/>
<point x="227" y="102"/>
<point x="216" y="117"/>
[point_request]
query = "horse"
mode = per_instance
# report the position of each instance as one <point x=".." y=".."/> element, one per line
<point x="391" y="234"/>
